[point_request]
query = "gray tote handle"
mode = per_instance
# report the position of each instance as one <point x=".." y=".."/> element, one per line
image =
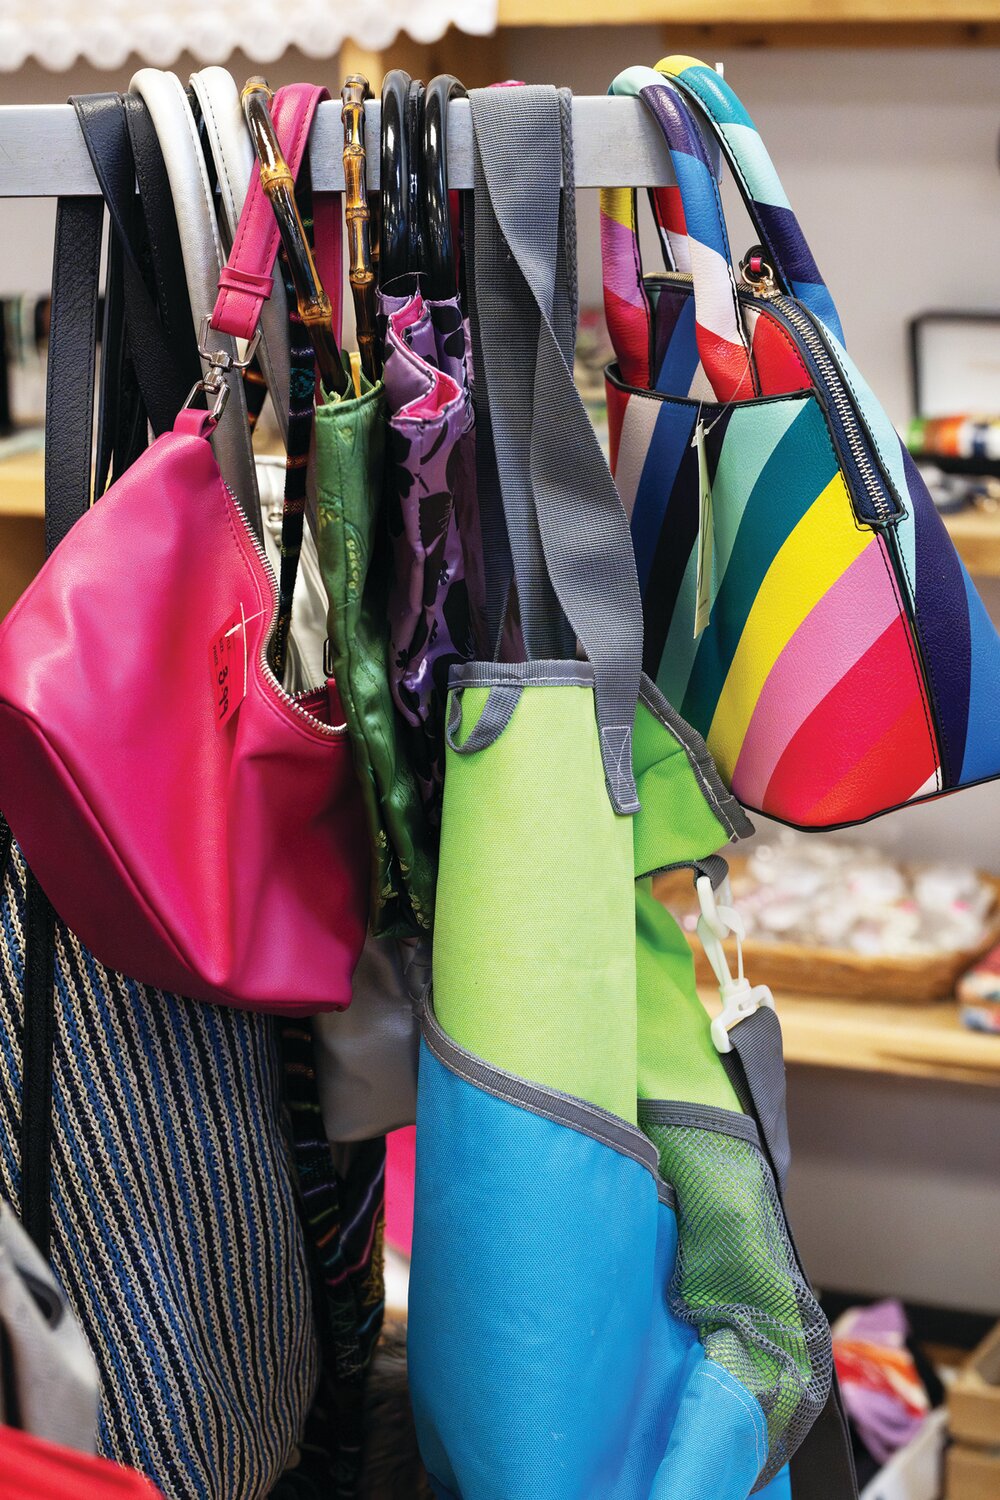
<point x="568" y="534"/>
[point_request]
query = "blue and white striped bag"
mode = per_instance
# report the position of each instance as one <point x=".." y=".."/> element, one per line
<point x="174" y="1229"/>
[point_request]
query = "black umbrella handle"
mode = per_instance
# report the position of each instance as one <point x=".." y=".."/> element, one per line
<point x="394" y="245"/>
<point x="440" y="261"/>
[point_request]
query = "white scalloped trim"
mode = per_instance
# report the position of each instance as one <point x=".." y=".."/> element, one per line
<point x="107" y="32"/>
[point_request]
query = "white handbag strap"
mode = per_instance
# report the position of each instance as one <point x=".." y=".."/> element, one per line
<point x="232" y="151"/>
<point x="201" y="248"/>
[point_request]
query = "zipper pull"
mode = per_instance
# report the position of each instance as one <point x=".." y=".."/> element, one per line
<point x="757" y="274"/>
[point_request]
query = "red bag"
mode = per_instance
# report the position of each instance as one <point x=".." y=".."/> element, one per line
<point x="32" y="1469"/>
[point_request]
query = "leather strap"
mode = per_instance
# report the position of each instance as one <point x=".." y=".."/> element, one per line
<point x="758" y="183"/>
<point x="722" y="339"/>
<point x="203" y="261"/>
<point x="122" y="422"/>
<point x="247" y="278"/>
<point x="69" y="411"/>
<point x="102" y="120"/>
<point x="166" y="260"/>
<point x="122" y="417"/>
<point x="69" y="398"/>
<point x="233" y="155"/>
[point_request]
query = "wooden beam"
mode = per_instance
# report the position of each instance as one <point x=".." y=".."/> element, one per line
<point x="699" y="40"/>
<point x="828" y="14"/>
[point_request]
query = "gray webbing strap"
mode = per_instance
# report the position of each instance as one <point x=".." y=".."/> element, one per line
<point x="715" y="866"/>
<point x="498" y="567"/>
<point x="822" y="1468"/>
<point x="568" y="532"/>
<point x="499" y="709"/>
<point x="509" y="312"/>
<point x="756" y="1041"/>
<point x="496" y="545"/>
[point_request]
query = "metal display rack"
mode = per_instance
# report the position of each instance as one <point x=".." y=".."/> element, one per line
<point x="42" y="153"/>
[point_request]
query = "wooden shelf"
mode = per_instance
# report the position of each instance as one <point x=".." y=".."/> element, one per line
<point x="976" y="535"/>
<point x="927" y="1041"/>
<point x="22" y="485"/>
<point x="714" y="12"/>
<point x="22" y="523"/>
<point x="869" y="20"/>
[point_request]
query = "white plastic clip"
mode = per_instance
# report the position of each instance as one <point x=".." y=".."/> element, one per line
<point x="739" y="998"/>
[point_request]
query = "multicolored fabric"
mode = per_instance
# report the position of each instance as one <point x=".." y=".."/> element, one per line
<point x="175" y="1233"/>
<point x="719" y="330"/>
<point x="532" y="802"/>
<point x="715" y="1387"/>
<point x="839" y="672"/>
<point x="759" y="183"/>
<point x="430" y="483"/>
<point x="344" y="1218"/>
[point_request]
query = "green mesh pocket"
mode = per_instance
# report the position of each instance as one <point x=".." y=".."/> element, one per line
<point x="737" y="1279"/>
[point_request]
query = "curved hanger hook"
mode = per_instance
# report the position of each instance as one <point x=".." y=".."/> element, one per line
<point x="394" y="244"/>
<point x="315" y="307"/>
<point x="440" y="261"/>
<point x="415" y="180"/>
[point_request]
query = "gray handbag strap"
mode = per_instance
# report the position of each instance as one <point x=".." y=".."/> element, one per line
<point x="757" y="1045"/>
<point x="568" y="534"/>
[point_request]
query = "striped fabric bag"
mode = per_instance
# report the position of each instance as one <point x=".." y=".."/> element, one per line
<point x="165" y="1203"/>
<point x="804" y="607"/>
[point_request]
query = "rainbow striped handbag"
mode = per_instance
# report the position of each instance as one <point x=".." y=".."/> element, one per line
<point x="804" y="607"/>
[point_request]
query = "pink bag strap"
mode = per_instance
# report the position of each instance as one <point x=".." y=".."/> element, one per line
<point x="247" y="278"/>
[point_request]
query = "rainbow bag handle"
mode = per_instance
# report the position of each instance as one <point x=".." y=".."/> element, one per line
<point x="804" y="608"/>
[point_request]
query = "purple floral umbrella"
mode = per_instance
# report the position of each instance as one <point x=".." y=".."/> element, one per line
<point x="436" y="596"/>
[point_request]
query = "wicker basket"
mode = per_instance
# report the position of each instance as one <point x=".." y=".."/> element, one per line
<point x="832" y="971"/>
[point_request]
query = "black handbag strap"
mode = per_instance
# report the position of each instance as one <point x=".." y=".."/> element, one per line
<point x="69" y="395"/>
<point x="105" y="130"/>
<point x="69" y="409"/>
<point x="139" y="372"/>
<point x="166" y="275"/>
<point x="121" y="422"/>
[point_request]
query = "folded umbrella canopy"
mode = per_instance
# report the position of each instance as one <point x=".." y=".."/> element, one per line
<point x="430" y="491"/>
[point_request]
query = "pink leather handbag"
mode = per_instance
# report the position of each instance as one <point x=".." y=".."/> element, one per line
<point x="198" y="827"/>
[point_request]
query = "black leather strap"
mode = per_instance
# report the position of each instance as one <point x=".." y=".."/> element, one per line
<point x="69" y="397"/>
<point x="118" y="392"/>
<point x="69" y="414"/>
<point x="166" y="275"/>
<point x="103" y="122"/>
<point x="135" y="356"/>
